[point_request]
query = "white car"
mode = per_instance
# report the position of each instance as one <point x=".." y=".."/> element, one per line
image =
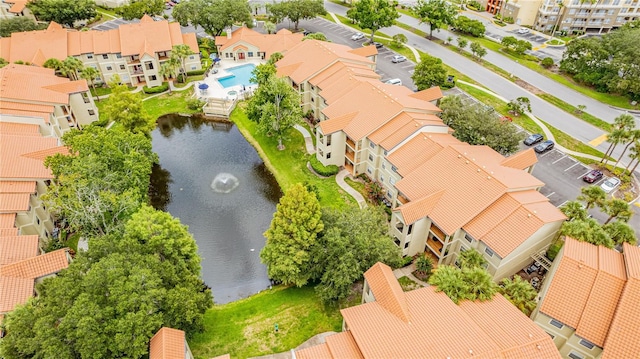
<point x="357" y="36"/>
<point x="394" y="82"/>
<point x="398" y="58"/>
<point x="523" y="30"/>
<point x="610" y="184"/>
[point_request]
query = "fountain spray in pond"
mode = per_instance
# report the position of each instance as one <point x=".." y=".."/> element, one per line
<point x="224" y="183"/>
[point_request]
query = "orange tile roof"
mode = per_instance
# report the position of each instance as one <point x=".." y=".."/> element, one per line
<point x="7" y="220"/>
<point x="29" y="83"/>
<point x="387" y="290"/>
<point x="342" y="345"/>
<point x="401" y="127"/>
<point x="17" y="248"/>
<point x="415" y="210"/>
<point x="281" y="41"/>
<point x="337" y="123"/>
<point x="332" y="78"/>
<point x="320" y="351"/>
<point x="442" y="329"/>
<point x="26" y="110"/>
<point x="430" y="94"/>
<point x="18" y="5"/>
<point x="521" y="160"/>
<point x="8" y="232"/>
<point x="18" y="292"/>
<point x="418" y="150"/>
<point x="69" y="87"/>
<point x="14" y="202"/>
<point x="52" y="43"/>
<point x="365" y="51"/>
<point x="17" y="154"/>
<point x="38" y="266"/>
<point x="17" y="186"/>
<point x="167" y="343"/>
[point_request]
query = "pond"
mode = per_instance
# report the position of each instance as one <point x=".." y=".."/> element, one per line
<point x="211" y="178"/>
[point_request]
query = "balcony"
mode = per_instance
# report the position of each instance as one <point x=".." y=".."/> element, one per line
<point x="402" y="199"/>
<point x="435" y="246"/>
<point x="350" y="156"/>
<point x="351" y="143"/>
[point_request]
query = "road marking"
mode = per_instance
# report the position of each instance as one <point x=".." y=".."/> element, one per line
<point x="550" y="194"/>
<point x="558" y="160"/>
<point x="561" y="204"/>
<point x="550" y="152"/>
<point x="637" y="204"/>
<point x="598" y="140"/>
<point x="584" y="174"/>
<point x="575" y="164"/>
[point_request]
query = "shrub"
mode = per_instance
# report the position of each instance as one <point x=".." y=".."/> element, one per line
<point x="195" y="104"/>
<point x="475" y="5"/>
<point x="468" y="26"/>
<point x="196" y="72"/>
<point x="547" y="62"/>
<point x="424" y="264"/>
<point x="321" y="169"/>
<point x="509" y="20"/>
<point x="406" y="261"/>
<point x="553" y="250"/>
<point x="157" y="89"/>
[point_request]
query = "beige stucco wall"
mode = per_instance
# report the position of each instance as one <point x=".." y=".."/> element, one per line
<point x="523" y="12"/>
<point x="84" y="108"/>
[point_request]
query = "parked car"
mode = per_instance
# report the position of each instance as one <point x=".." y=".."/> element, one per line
<point x="307" y="32"/>
<point x="533" y="139"/>
<point x="592" y="176"/>
<point x="398" y="58"/>
<point x="610" y="184"/>
<point x="357" y="36"/>
<point x="394" y="82"/>
<point x="523" y="30"/>
<point x="544" y="146"/>
<point x="378" y="45"/>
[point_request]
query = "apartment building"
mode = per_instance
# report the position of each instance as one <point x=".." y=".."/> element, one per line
<point x="424" y="323"/>
<point x="134" y="52"/>
<point x="13" y="8"/>
<point x="523" y="12"/>
<point x="447" y="196"/>
<point x="246" y="44"/>
<point x="579" y="17"/>
<point x="589" y="301"/>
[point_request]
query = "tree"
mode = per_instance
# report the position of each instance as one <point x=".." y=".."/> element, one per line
<point x="113" y="298"/>
<point x="437" y="13"/>
<point x="296" y="10"/>
<point x="580" y="109"/>
<point x="462" y="43"/>
<point x="424" y="264"/>
<point x="519" y="105"/>
<point x="275" y="106"/>
<point x="614" y="138"/>
<point x="90" y="74"/>
<point x="480" y="283"/>
<point x="17" y="24"/>
<point x="269" y="27"/>
<point x="180" y="53"/>
<point x="169" y="69"/>
<point x="516" y="45"/>
<point x="3" y="62"/>
<point x="64" y="12"/>
<point x="54" y="64"/>
<point x="399" y="40"/>
<point x="471" y="258"/>
<point x="588" y="230"/>
<point x="126" y="108"/>
<point x="263" y="73"/>
<point x="617" y="208"/>
<point x="477" y="50"/>
<point x="275" y="57"/>
<point x="634" y="155"/>
<point x="632" y="137"/>
<point x="574" y="210"/>
<point x="103" y="180"/>
<point x="352" y="241"/>
<point x="621" y="232"/>
<point x="448" y="279"/>
<point x="592" y="195"/>
<point x="70" y="67"/>
<point x="139" y="8"/>
<point x="429" y="72"/>
<point x="520" y="293"/>
<point x="291" y="236"/>
<point x="214" y="16"/>
<point x="315" y="36"/>
<point x="547" y="62"/>
<point x="478" y="125"/>
<point x="373" y="15"/>
<point x="468" y="26"/>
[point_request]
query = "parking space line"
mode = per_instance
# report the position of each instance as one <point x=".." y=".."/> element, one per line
<point x="550" y="194"/>
<point x="548" y="153"/>
<point x="562" y="204"/>
<point x="554" y="162"/>
<point x="573" y="165"/>
<point x="584" y="174"/>
<point x="601" y="180"/>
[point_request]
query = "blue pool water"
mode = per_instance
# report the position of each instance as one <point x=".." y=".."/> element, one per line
<point x="241" y="76"/>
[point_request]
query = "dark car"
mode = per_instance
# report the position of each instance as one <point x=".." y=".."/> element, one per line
<point x="592" y="176"/>
<point x="306" y="32"/>
<point x="378" y="45"/>
<point x="544" y="146"/>
<point x="533" y="139"/>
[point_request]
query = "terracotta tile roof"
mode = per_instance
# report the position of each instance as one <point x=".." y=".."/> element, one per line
<point x="7" y="220"/>
<point x="26" y="109"/>
<point x="18" y="292"/>
<point x="320" y="351"/>
<point x="342" y="345"/>
<point x="387" y="291"/>
<point x="528" y="211"/>
<point x="38" y="266"/>
<point x="17" y="248"/>
<point x="491" y="329"/>
<point x="430" y="94"/>
<point x="41" y="155"/>
<point x="365" y="51"/>
<point x="281" y="41"/>
<point x="51" y="43"/>
<point x="29" y="83"/>
<point x="333" y="77"/>
<point x="401" y="127"/>
<point x="18" y="5"/>
<point x="337" y="123"/>
<point x="521" y="160"/>
<point x="414" y="210"/>
<point x="167" y="343"/>
<point x="17" y="186"/>
<point x="418" y="150"/>
<point x="16" y="156"/>
<point x="69" y="87"/>
<point x="8" y="232"/>
<point x="14" y="202"/>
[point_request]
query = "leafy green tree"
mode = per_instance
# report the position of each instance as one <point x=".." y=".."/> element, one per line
<point x="592" y="195"/>
<point x="180" y="53"/>
<point x="214" y="16"/>
<point x="138" y="8"/>
<point x="547" y="62"/>
<point x="462" y="43"/>
<point x="292" y="235"/>
<point x="477" y="125"/>
<point x="437" y="13"/>
<point x="275" y="106"/>
<point x="621" y="232"/>
<point x="429" y="72"/>
<point x="17" y="24"/>
<point x="479" y="283"/>
<point x="617" y="208"/>
<point x="477" y="50"/>
<point x="275" y="57"/>
<point x="588" y="230"/>
<point x="103" y="180"/>
<point x="424" y="264"/>
<point x="468" y="26"/>
<point x="54" y="64"/>
<point x="315" y="36"/>
<point x="64" y="12"/>
<point x="263" y="73"/>
<point x="71" y="68"/>
<point x="90" y="74"/>
<point x="296" y="10"/>
<point x="399" y="40"/>
<point x="516" y="45"/>
<point x="126" y="108"/>
<point x="520" y="293"/>
<point x="352" y="241"/>
<point x="470" y="259"/>
<point x="373" y="15"/>
<point x="519" y="105"/>
<point x="169" y="69"/>
<point x="574" y="210"/>
<point x="269" y="27"/>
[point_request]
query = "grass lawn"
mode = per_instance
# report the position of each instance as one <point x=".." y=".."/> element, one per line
<point x="407" y="284"/>
<point x="245" y="328"/>
<point x="176" y="102"/>
<point x="574" y="111"/>
<point x="290" y="166"/>
<point x="72" y="241"/>
<point x="360" y="187"/>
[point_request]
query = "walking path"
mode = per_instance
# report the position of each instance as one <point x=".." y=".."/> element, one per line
<point x="408" y="272"/>
<point x="307" y="139"/>
<point x="314" y="340"/>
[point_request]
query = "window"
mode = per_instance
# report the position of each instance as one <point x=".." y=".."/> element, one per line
<point x="586" y="344"/>
<point x="463" y="248"/>
<point x="191" y="57"/>
<point x="371" y="157"/>
<point x="89" y="56"/>
<point x="118" y="56"/>
<point x="153" y="78"/>
<point x="488" y="251"/>
<point x="105" y="56"/>
<point x="328" y="140"/>
<point x="328" y="155"/>
<point x="37" y="220"/>
<point x="249" y="54"/>
<point x="122" y="67"/>
<point x="556" y="324"/>
<point x="468" y="238"/>
<point x="574" y="355"/>
<point x="406" y="245"/>
<point x="372" y="145"/>
<point x="369" y="170"/>
<point x="193" y="67"/>
<point x="551" y="335"/>
<point x="382" y="178"/>
<point x="91" y="112"/>
<point x="384" y="167"/>
<point x="385" y="152"/>
<point x="392" y="180"/>
<point x="226" y="54"/>
<point x="109" y="68"/>
<point x="394" y="169"/>
<point x="409" y="229"/>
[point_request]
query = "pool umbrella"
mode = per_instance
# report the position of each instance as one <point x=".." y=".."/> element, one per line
<point x="217" y="59"/>
<point x="203" y="86"/>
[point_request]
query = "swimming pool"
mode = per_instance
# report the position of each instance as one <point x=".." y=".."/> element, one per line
<point x="241" y="76"/>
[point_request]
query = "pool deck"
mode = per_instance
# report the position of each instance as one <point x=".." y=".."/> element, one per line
<point x="216" y="90"/>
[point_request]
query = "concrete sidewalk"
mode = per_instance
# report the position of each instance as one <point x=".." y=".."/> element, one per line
<point x="350" y="190"/>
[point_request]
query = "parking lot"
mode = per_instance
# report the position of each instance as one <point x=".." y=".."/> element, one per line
<point x="113" y="24"/>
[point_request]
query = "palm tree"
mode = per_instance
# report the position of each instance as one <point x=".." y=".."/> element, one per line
<point x="53" y="63"/>
<point x="615" y="137"/>
<point x="269" y="27"/>
<point x="633" y="136"/>
<point x="90" y="74"/>
<point x="574" y="210"/>
<point x="180" y="53"/>
<point x="621" y="232"/>
<point x="592" y="195"/>
<point x="480" y="284"/>
<point x="448" y="279"/>
<point x="617" y="208"/>
<point x="624" y="122"/>
<point x="634" y="155"/>
<point x="589" y="231"/>
<point x="471" y="259"/>
<point x="520" y="293"/>
<point x="168" y="69"/>
<point x="71" y="67"/>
